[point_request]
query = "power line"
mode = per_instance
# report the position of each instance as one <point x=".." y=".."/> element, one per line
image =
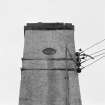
<point x="93" y="57"/>
<point x="99" y="55"/>
<point x="93" y="62"/>
<point x="97" y="52"/>
<point x="93" y="45"/>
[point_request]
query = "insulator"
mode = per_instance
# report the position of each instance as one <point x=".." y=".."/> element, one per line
<point x="78" y="70"/>
<point x="77" y="54"/>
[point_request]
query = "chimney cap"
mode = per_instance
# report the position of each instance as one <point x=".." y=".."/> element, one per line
<point x="49" y="26"/>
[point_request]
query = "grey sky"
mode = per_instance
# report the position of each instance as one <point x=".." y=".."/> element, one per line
<point x="88" y="16"/>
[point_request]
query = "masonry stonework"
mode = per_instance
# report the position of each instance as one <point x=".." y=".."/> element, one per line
<point x="43" y="75"/>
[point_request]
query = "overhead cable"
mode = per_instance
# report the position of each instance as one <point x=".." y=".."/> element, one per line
<point x="93" y="45"/>
<point x="93" y="57"/>
<point x="97" y="52"/>
<point x="99" y="55"/>
<point x="93" y="62"/>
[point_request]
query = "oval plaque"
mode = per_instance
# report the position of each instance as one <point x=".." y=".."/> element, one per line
<point x="49" y="51"/>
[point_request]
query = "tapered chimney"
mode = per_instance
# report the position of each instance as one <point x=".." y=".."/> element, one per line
<point x="48" y="74"/>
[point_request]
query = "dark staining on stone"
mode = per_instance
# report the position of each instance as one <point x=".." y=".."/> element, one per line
<point x="49" y="51"/>
<point x="49" y="26"/>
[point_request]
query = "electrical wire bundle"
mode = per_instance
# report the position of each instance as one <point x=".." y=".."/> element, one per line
<point x="95" y="57"/>
<point x="81" y="57"/>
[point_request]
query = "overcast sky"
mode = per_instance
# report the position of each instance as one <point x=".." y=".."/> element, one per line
<point x="88" y="16"/>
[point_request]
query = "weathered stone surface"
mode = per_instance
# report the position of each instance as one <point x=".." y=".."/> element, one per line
<point x="48" y="87"/>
